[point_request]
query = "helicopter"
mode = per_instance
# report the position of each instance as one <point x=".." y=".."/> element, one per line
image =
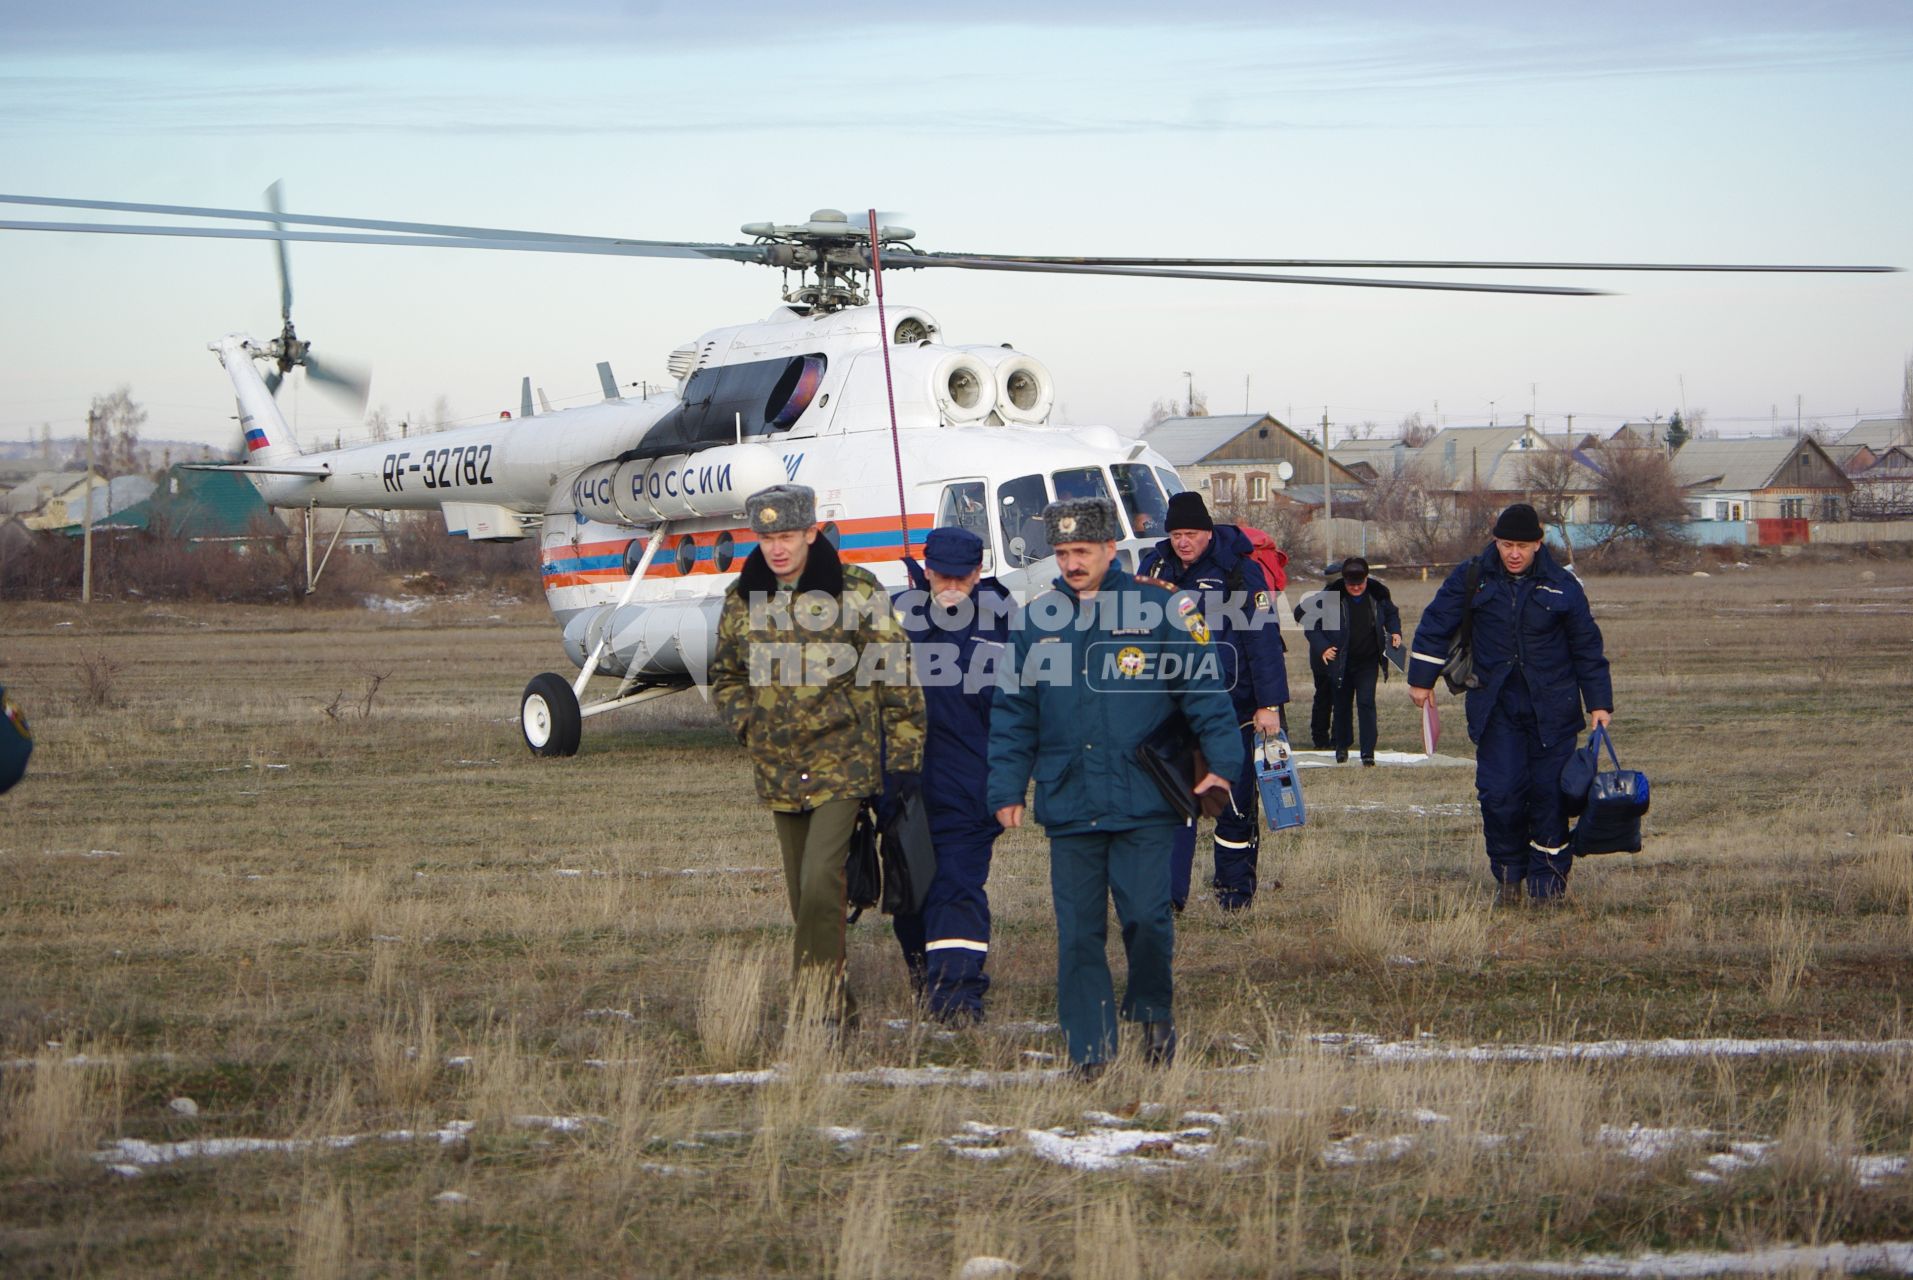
<point x="638" y="502"/>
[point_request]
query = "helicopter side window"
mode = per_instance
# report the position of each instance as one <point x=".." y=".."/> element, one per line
<point x="1171" y="482"/>
<point x="1142" y="498"/>
<point x="1020" y="504"/>
<point x="965" y="506"/>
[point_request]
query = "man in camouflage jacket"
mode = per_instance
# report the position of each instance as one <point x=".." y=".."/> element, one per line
<point x="812" y="674"/>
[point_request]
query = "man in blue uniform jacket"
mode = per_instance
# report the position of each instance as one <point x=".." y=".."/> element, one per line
<point x="1352" y="628"/>
<point x="1095" y="666"/>
<point x="958" y="623"/>
<point x="1537" y="655"/>
<point x="1213" y="561"/>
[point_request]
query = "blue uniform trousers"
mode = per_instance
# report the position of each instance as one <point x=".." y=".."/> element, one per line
<point x="1237" y="840"/>
<point x="945" y="946"/>
<point x="1518" y="782"/>
<point x="1355" y="703"/>
<point x="1086" y="871"/>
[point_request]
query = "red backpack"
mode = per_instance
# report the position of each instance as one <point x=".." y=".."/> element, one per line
<point x="1271" y="559"/>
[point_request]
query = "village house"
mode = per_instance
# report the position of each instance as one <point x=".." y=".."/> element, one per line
<point x="1762" y="478"/>
<point x="1237" y="460"/>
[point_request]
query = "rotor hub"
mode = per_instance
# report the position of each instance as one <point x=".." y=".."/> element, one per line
<point x="831" y="252"/>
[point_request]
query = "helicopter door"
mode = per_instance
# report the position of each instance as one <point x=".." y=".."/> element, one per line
<point x="1019" y="509"/>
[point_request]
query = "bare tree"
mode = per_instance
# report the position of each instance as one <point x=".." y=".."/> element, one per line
<point x="118" y="420"/>
<point x="1906" y="402"/>
<point x="1161" y="411"/>
<point x="1414" y="518"/>
<point x="1281" y="519"/>
<point x="1414" y="432"/>
<point x="1552" y="477"/>
<point x="1638" y="496"/>
<point x="378" y="425"/>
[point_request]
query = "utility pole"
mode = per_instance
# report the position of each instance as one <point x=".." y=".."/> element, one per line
<point x="1245" y="391"/>
<point x="1328" y="499"/>
<point x="1796" y="415"/>
<point x="86" y="521"/>
<point x="1189" y="403"/>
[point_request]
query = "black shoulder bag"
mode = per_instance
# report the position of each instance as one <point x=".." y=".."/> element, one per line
<point x="1459" y="671"/>
<point x="863" y="879"/>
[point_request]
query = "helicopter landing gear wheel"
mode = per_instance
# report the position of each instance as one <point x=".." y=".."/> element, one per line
<point x="549" y="716"/>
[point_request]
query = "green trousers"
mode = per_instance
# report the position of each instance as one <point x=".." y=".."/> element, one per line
<point x="815" y="844"/>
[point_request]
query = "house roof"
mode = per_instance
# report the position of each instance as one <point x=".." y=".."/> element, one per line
<point x="1454" y="455"/>
<point x="1310" y="495"/>
<point x="1743" y="464"/>
<point x="202" y="504"/>
<point x="32" y="493"/>
<point x="103" y="502"/>
<point x="1189" y="440"/>
<point x="1878" y="432"/>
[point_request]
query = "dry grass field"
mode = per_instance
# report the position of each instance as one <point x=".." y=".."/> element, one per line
<point x="311" y="968"/>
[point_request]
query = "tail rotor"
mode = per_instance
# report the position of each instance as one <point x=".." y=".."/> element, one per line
<point x="347" y="381"/>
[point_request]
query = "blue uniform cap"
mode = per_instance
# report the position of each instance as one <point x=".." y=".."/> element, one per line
<point x="952" y="552"/>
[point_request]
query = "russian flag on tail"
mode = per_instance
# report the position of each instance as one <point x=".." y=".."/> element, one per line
<point x="255" y="438"/>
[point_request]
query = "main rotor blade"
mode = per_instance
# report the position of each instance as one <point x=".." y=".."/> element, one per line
<point x="278" y="216"/>
<point x="275" y="203"/>
<point x="1413" y="264"/>
<point x="614" y="248"/>
<point x="973" y="263"/>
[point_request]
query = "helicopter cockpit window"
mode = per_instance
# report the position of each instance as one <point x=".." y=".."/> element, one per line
<point x="1080" y="482"/>
<point x="1142" y="498"/>
<point x="1171" y="482"/>
<point x="1020" y="504"/>
<point x="965" y="506"/>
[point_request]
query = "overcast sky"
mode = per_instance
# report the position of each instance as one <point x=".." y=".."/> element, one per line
<point x="1749" y="131"/>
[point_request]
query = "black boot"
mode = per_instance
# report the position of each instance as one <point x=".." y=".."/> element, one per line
<point x="1087" y="1072"/>
<point x="1159" y="1043"/>
<point x="1341" y="757"/>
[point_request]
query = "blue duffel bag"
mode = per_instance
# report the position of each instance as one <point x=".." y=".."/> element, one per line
<point x="1612" y="801"/>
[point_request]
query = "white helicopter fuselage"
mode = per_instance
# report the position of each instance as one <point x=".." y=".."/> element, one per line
<point x="796" y="398"/>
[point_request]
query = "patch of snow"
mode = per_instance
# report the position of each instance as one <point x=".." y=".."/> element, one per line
<point x="721" y="1079"/>
<point x="986" y="1267"/>
<point x="1361" y="1149"/>
<point x="452" y="1197"/>
<point x="183" y="1106"/>
<point x="1312" y="759"/>
<point x="841" y="1135"/>
<point x="1104" y="1149"/>
<point x="1893" y="1258"/>
<point x="1374" y="1049"/>
<point x="622" y="1015"/>
<point x="1642" y="1142"/>
<point x="403" y="605"/>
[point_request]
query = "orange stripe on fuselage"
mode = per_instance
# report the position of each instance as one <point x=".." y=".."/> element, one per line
<point x="664" y="565"/>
